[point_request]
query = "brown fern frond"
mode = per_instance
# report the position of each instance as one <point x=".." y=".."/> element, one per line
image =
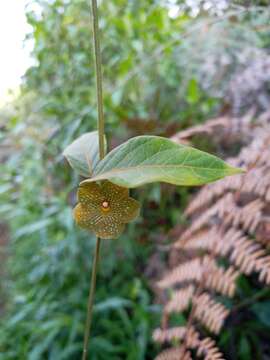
<point x="209" y="312"/>
<point x="256" y="181"/>
<point x="247" y="217"/>
<point x="222" y="280"/>
<point x="188" y="271"/>
<point x="263" y="267"/>
<point x="250" y="257"/>
<point x="204" y="240"/>
<point x="175" y="353"/>
<point x="267" y="195"/>
<point x="247" y="255"/>
<point x="262" y="233"/>
<point x="168" y="335"/>
<point x="199" y="240"/>
<point x="177" y="333"/>
<point x="219" y="279"/>
<point x="207" y="348"/>
<point x="211" y="192"/>
<point x="220" y="208"/>
<point x="180" y="300"/>
<point x="229" y="221"/>
<point x="208" y="128"/>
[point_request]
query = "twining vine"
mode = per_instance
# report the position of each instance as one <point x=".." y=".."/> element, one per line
<point x="104" y="205"/>
<point x="101" y="133"/>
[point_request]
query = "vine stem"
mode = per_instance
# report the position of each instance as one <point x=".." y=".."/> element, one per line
<point x="101" y="133"/>
<point x="91" y="301"/>
<point x="98" y="63"/>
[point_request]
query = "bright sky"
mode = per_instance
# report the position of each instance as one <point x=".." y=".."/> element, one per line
<point x="14" y="58"/>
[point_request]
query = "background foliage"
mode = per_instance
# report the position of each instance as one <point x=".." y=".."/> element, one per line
<point x="166" y="66"/>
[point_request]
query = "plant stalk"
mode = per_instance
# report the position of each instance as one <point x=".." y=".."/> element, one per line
<point x="91" y="301"/>
<point x="98" y="64"/>
<point x="101" y="133"/>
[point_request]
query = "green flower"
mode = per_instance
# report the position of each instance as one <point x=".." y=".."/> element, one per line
<point x="105" y="208"/>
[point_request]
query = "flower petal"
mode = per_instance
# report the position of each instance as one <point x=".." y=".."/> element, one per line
<point x="109" y="230"/>
<point x="83" y="216"/>
<point x="106" y="222"/>
<point x="104" y="227"/>
<point x="113" y="192"/>
<point x="126" y="210"/>
<point x="89" y="195"/>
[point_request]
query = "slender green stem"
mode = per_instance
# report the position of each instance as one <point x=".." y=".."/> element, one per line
<point x="247" y="302"/>
<point x="98" y="63"/>
<point x="101" y="133"/>
<point x="91" y="301"/>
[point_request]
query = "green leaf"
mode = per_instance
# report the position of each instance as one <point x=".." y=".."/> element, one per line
<point x="112" y="303"/>
<point x="262" y="311"/>
<point x="146" y="159"/>
<point x="193" y="93"/>
<point x="29" y="229"/>
<point x="83" y="153"/>
<point x="244" y="351"/>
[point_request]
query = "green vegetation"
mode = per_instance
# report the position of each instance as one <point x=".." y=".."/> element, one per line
<point x="149" y="88"/>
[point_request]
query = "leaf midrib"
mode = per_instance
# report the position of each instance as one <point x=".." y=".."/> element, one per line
<point x="156" y="166"/>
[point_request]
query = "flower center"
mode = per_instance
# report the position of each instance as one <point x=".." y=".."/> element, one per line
<point x="105" y="205"/>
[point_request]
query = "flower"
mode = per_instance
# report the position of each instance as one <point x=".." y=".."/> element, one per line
<point x="104" y="208"/>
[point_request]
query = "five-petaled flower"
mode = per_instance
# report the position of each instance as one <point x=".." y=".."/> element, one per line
<point x="105" y="208"/>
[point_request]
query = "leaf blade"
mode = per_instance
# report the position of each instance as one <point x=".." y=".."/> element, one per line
<point x="83" y="153"/>
<point x="146" y="159"/>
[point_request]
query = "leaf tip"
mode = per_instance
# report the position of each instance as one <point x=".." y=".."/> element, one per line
<point x="235" y="170"/>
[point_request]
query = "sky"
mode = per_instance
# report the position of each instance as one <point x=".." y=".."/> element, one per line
<point x="14" y="58"/>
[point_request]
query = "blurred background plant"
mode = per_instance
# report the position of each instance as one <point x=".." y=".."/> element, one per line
<point x="167" y="65"/>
